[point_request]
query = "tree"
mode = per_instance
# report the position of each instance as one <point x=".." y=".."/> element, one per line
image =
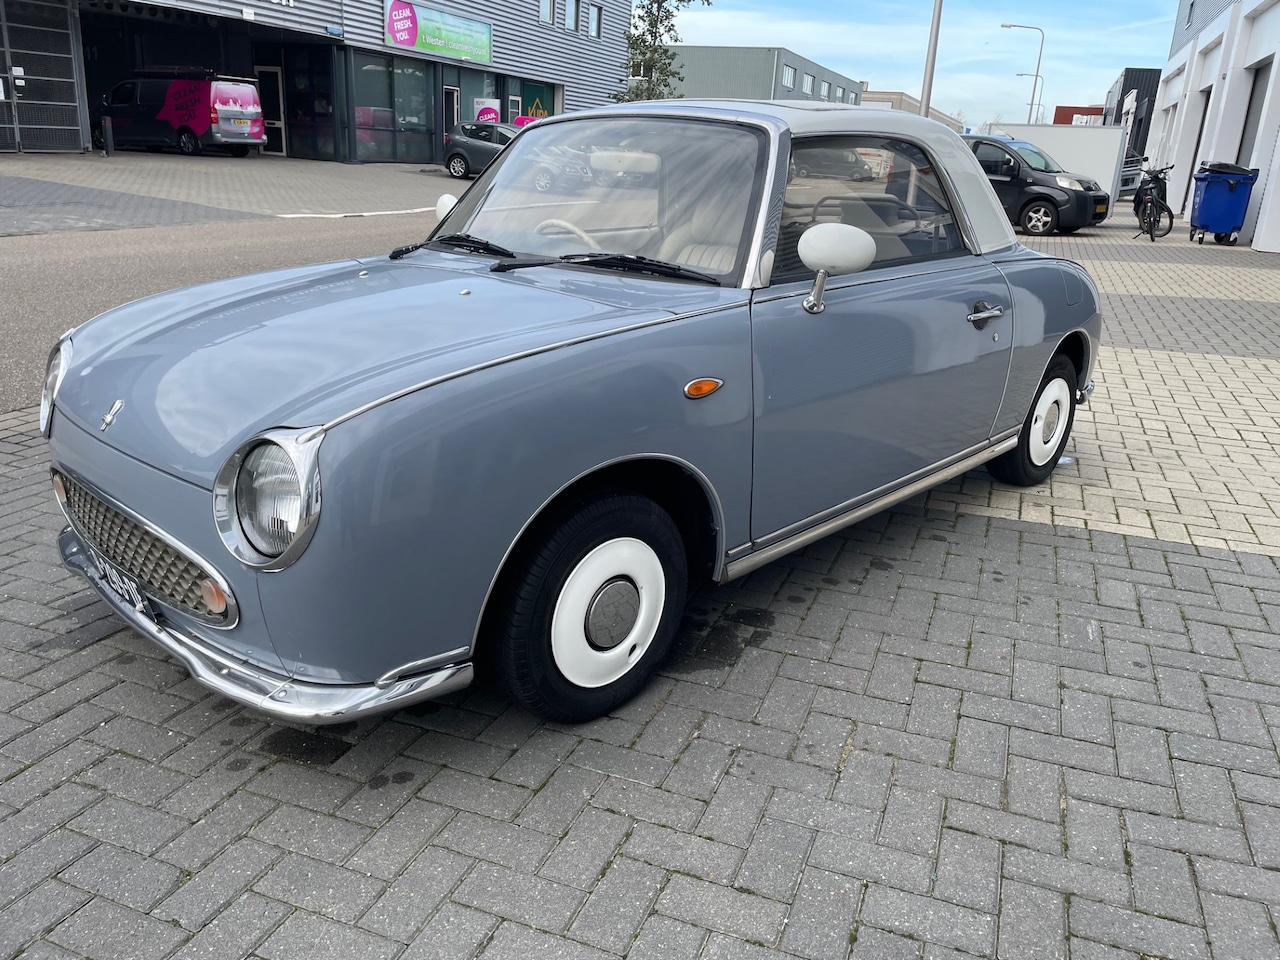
<point x="650" y="66"/>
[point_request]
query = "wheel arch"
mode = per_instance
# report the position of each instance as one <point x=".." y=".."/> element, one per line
<point x="676" y="485"/>
<point x="1075" y="347"/>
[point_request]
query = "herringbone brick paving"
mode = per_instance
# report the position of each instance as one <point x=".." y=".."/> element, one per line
<point x="990" y="723"/>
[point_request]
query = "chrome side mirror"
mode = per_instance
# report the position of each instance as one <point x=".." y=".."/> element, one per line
<point x="833" y="250"/>
<point x="445" y="204"/>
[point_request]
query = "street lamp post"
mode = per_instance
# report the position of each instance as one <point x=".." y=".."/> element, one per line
<point x="1037" y="102"/>
<point x="1039" y="56"/>
<point x="927" y="93"/>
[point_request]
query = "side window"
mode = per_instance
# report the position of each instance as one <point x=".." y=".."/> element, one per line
<point x="501" y="136"/>
<point x="995" y="161"/>
<point x="887" y="187"/>
<point x="151" y="92"/>
<point x="481" y="131"/>
<point x="122" y="94"/>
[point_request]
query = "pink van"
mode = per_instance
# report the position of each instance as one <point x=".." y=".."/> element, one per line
<point x="187" y="109"/>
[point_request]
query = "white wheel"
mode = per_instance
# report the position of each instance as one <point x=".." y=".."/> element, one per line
<point x="1049" y="422"/>
<point x="608" y="612"/>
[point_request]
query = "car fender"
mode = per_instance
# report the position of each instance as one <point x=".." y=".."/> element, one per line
<point x="425" y="496"/>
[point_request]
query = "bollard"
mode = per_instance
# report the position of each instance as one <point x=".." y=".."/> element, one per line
<point x="108" y="140"/>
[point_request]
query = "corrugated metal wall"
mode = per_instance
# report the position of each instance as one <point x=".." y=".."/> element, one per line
<point x="1193" y="15"/>
<point x="754" y="72"/>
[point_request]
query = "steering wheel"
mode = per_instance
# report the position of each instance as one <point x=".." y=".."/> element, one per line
<point x="912" y="212"/>
<point x="578" y="232"/>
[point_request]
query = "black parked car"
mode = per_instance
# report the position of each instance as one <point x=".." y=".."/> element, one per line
<point x="469" y="147"/>
<point x="1037" y="194"/>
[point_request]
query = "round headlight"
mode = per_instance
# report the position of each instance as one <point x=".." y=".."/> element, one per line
<point x="59" y="360"/>
<point x="269" y="499"/>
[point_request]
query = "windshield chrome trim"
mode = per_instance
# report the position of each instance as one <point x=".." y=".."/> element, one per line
<point x="313" y="433"/>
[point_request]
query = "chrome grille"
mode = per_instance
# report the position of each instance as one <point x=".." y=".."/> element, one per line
<point x="161" y="570"/>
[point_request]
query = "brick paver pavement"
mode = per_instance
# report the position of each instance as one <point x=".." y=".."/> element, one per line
<point x="989" y="723"/>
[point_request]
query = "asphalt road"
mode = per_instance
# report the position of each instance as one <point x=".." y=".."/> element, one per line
<point x="51" y="282"/>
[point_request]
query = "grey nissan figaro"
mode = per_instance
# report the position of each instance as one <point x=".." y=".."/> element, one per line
<point x="331" y="490"/>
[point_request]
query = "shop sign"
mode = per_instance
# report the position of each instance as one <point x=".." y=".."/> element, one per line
<point x="434" y="31"/>
<point x="487" y="111"/>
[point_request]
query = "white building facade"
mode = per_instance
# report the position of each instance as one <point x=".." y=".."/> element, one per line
<point x="1218" y="102"/>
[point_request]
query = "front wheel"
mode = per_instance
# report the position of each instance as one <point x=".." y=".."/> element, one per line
<point x="1040" y="218"/>
<point x="595" y="609"/>
<point x="1044" y="432"/>
<point x="544" y="178"/>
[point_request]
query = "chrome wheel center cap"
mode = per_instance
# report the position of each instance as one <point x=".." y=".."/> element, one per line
<point x="1051" y="422"/>
<point x="612" y="613"/>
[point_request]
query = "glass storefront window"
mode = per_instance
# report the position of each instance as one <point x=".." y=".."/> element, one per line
<point x="414" y="111"/>
<point x="393" y="109"/>
<point x="374" y="110"/>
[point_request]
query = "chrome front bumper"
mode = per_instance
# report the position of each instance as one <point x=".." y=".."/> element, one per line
<point x="1082" y="396"/>
<point x="278" y="696"/>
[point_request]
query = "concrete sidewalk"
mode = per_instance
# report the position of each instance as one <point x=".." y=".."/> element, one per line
<point x="248" y="186"/>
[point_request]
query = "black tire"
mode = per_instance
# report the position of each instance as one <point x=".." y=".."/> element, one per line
<point x="802" y="172"/>
<point x="239" y="150"/>
<point x="1192" y="238"/>
<point x="154" y="148"/>
<point x="188" y="142"/>
<point x="1163" y="224"/>
<point x="458" y="167"/>
<point x="1032" y="460"/>
<point x="535" y="651"/>
<point x="1039" y="218"/>
<point x="544" y="178"/>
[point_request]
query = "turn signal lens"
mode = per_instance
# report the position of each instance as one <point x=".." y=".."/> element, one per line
<point x="59" y="489"/>
<point x="702" y="388"/>
<point x="214" y="599"/>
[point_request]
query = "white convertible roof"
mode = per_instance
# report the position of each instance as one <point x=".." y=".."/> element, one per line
<point x="990" y="225"/>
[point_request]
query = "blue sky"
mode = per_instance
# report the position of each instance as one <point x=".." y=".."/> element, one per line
<point x="1087" y="44"/>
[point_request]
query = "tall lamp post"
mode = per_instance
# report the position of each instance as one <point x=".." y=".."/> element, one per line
<point x="1036" y="101"/>
<point x="1039" y="56"/>
<point x="927" y="93"/>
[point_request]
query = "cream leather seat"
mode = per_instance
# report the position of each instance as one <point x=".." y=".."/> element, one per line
<point x="709" y="239"/>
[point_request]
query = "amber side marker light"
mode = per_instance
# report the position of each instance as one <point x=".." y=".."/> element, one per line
<point x="59" y="489"/>
<point x="702" y="388"/>
<point x="213" y="597"/>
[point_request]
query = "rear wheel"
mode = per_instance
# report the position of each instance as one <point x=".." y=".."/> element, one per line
<point x="188" y="142"/>
<point x="544" y="178"/>
<point x="239" y="150"/>
<point x="1044" y="432"/>
<point x="594" y="609"/>
<point x="458" y="166"/>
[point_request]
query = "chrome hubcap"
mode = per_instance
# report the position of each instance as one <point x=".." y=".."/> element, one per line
<point x="612" y="613"/>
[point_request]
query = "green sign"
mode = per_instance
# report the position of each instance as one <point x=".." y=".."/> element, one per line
<point x="434" y="31"/>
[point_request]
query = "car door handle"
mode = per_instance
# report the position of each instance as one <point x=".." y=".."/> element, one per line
<point x="984" y="313"/>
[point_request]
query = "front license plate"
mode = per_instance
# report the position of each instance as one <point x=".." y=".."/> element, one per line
<point x="123" y="585"/>
<point x="242" y="123"/>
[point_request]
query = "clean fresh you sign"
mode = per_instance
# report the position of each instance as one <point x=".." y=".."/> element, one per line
<point x="423" y="28"/>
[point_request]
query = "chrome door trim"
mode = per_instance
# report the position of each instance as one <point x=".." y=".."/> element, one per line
<point x="815" y="528"/>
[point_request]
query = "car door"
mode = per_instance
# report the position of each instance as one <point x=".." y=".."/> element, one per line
<point x="121" y="106"/>
<point x="485" y="147"/>
<point x="1004" y="171"/>
<point x="147" y="127"/>
<point x="891" y="378"/>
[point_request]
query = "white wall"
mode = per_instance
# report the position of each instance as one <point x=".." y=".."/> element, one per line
<point x="1221" y="59"/>
<point x="1093" y="152"/>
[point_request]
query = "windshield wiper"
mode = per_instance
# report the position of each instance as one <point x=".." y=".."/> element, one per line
<point x="476" y="244"/>
<point x="611" y="261"/>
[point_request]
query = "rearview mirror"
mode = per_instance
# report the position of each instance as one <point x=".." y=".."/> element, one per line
<point x="833" y="250"/>
<point x="446" y="203"/>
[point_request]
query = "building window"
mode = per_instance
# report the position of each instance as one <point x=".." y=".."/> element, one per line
<point x="1191" y="11"/>
<point x="839" y="94"/>
<point x="825" y="90"/>
<point x="808" y="84"/>
<point x="788" y="76"/>
<point x="595" y="17"/>
<point x="546" y="11"/>
<point x="571" y="15"/>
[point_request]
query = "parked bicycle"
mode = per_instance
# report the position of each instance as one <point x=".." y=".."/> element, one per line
<point x="1155" y="218"/>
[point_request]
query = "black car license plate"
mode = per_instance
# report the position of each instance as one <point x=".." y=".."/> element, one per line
<point x="121" y="584"/>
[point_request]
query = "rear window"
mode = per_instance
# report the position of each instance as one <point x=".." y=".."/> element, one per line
<point x="242" y="95"/>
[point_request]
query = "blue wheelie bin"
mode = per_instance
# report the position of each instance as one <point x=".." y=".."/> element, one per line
<point x="1220" y="202"/>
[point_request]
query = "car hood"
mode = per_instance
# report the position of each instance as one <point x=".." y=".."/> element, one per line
<point x="200" y="370"/>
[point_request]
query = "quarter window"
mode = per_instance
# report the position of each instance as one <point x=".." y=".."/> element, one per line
<point x="546" y="10"/>
<point x="808" y="83"/>
<point x="595" y="19"/>
<point x="886" y="187"/>
<point x="788" y="76"/>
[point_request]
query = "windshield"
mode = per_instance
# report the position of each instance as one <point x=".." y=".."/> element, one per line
<point x="1037" y="159"/>
<point x="678" y="191"/>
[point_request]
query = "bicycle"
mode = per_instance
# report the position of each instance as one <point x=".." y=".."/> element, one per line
<point x="1155" y="218"/>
